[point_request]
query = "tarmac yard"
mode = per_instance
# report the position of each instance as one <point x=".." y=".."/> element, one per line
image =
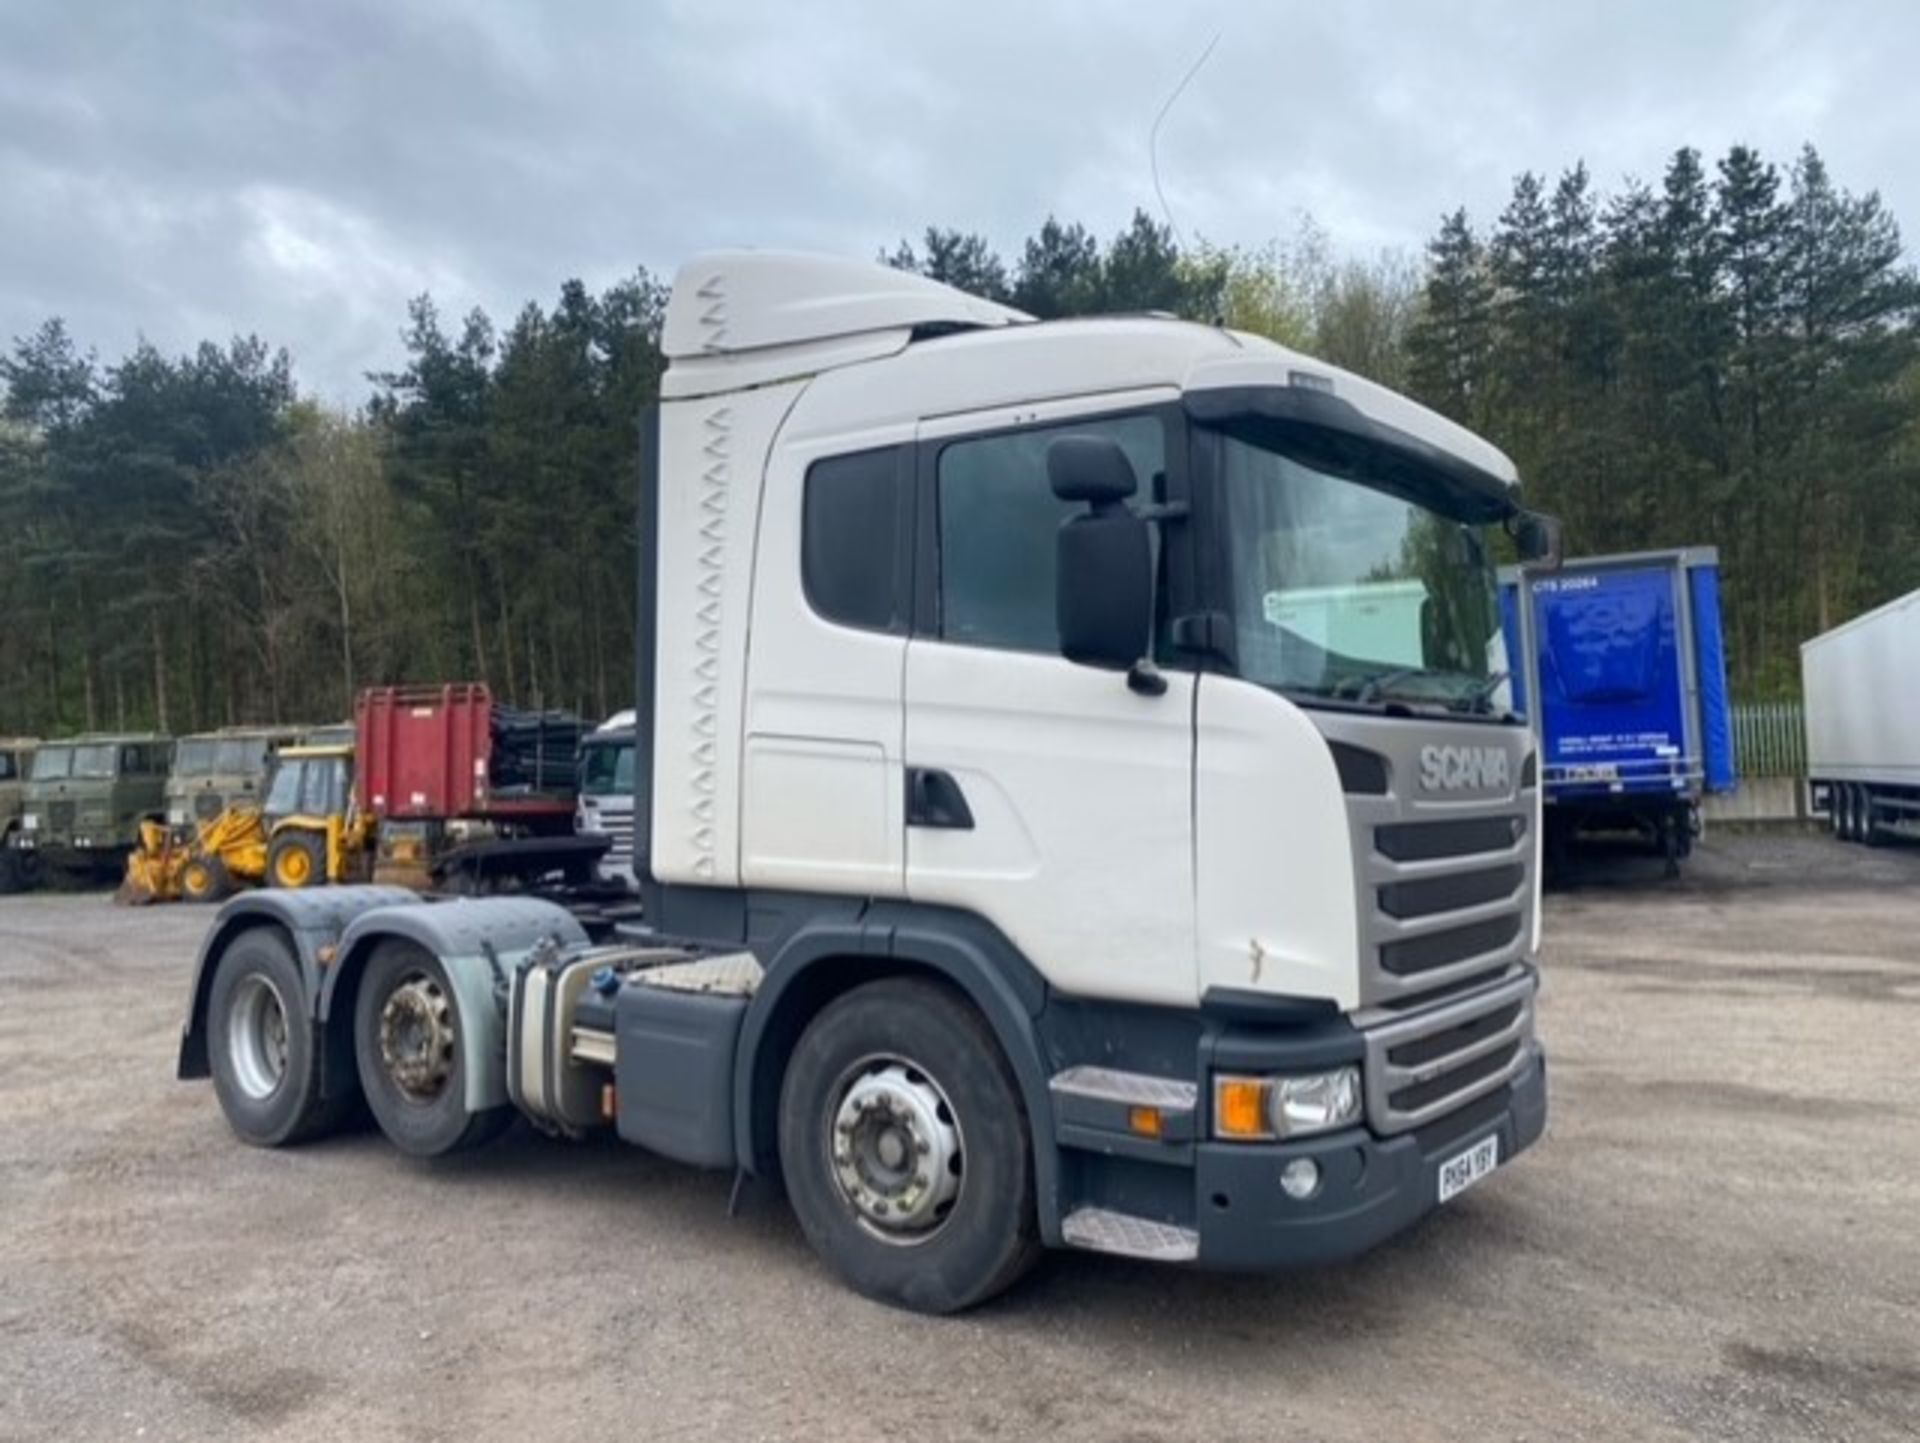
<point x="1719" y="1236"/>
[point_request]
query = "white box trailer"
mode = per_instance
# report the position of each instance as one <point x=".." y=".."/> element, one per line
<point x="1862" y="687"/>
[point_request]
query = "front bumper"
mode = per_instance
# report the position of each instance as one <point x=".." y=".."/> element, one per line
<point x="1371" y="1188"/>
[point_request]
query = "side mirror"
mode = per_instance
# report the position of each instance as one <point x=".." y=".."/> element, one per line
<point x="1536" y="539"/>
<point x="1104" y="578"/>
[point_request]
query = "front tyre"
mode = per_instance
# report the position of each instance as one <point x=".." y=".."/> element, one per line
<point x="407" y="1043"/>
<point x="265" y="1061"/>
<point x="906" y="1150"/>
<point x="205" y="879"/>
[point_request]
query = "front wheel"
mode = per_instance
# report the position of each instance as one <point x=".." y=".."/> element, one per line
<point x="205" y="879"/>
<point x="906" y="1149"/>
<point x="406" y="1040"/>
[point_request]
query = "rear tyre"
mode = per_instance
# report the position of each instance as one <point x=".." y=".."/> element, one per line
<point x="407" y="1044"/>
<point x="264" y="1052"/>
<point x="906" y="1149"/>
<point x="296" y="859"/>
<point x="1870" y="830"/>
<point x="205" y="879"/>
<point x="13" y="870"/>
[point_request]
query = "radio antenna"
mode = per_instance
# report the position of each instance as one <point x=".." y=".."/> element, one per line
<point x="1153" y="136"/>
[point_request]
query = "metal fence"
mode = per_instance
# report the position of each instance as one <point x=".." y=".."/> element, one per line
<point x="1770" y="738"/>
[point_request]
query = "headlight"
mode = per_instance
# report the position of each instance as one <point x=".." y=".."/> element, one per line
<point x="30" y="822"/>
<point x="1263" y="1109"/>
<point x="176" y="816"/>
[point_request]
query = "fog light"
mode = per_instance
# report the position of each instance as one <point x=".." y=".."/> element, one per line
<point x="1300" y="1179"/>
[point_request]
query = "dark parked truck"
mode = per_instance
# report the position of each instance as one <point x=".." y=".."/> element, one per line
<point x="215" y="770"/>
<point x="17" y="868"/>
<point x="86" y="798"/>
<point x="466" y="792"/>
<point x="1621" y="665"/>
<point x="1044" y="839"/>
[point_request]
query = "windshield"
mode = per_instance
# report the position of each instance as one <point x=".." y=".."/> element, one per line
<point x="283" y="797"/>
<point x="237" y="756"/>
<point x="50" y="764"/>
<point x="93" y="761"/>
<point x="194" y="757"/>
<point x="606" y="769"/>
<point x="1350" y="593"/>
<point x="222" y="756"/>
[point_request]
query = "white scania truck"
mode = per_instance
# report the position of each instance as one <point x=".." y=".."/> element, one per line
<point x="1014" y="874"/>
<point x="605" y="807"/>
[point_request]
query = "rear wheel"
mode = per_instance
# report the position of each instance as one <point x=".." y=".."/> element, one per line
<point x="906" y="1149"/>
<point x="266" y="1064"/>
<point x="1870" y="831"/>
<point x="296" y="859"/>
<point x="407" y="1042"/>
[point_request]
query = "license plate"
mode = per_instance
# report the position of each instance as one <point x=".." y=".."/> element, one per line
<point x="1464" y="1169"/>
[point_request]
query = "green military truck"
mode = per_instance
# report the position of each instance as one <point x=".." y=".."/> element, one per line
<point x="214" y="770"/>
<point x="85" y="799"/>
<point x="16" y="759"/>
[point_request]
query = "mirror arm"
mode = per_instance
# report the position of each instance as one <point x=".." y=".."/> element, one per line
<point x="1145" y="679"/>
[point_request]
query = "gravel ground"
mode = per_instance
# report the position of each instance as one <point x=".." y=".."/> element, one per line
<point x="1719" y="1236"/>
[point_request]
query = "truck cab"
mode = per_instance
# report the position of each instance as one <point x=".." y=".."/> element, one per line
<point x="16" y="760"/>
<point x="214" y="770"/>
<point x="1077" y="804"/>
<point x="87" y="796"/>
<point x="606" y="794"/>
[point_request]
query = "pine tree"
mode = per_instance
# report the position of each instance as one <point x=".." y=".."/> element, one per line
<point x="1451" y="342"/>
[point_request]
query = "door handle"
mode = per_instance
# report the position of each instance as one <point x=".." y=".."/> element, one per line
<point x="934" y="799"/>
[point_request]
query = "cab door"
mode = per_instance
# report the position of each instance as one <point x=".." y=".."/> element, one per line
<point x="1045" y="796"/>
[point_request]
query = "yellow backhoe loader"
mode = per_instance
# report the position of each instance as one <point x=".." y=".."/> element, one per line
<point x="307" y="833"/>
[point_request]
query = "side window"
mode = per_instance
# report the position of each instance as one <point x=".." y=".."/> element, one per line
<point x="132" y="760"/>
<point x="850" y="546"/>
<point x="998" y="521"/>
<point x="317" y="792"/>
<point x="7" y="769"/>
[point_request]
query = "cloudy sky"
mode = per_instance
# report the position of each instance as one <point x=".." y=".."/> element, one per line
<point x="298" y="170"/>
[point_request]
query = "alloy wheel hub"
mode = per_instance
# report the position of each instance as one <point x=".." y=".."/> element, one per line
<point x="896" y="1150"/>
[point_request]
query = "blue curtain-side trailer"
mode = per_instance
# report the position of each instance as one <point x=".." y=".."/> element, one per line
<point x="1619" y="664"/>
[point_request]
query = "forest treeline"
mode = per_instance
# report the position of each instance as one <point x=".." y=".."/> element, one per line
<point x="1729" y="356"/>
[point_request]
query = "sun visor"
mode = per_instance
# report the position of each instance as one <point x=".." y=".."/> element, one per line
<point x="1330" y="433"/>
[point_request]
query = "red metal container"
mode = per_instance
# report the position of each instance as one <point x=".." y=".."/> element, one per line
<point x="421" y="751"/>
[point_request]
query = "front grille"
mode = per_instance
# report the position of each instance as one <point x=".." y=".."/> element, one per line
<point x="1445" y="949"/>
<point x="1444" y="901"/>
<point x="206" y="804"/>
<point x="1429" y="1063"/>
<point x="1451" y="892"/>
<point x="1425" y="1094"/>
<point x="60" y="816"/>
<point x="1430" y="841"/>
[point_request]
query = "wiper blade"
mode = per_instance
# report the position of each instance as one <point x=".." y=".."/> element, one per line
<point x="1477" y="696"/>
<point x="1370" y="689"/>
